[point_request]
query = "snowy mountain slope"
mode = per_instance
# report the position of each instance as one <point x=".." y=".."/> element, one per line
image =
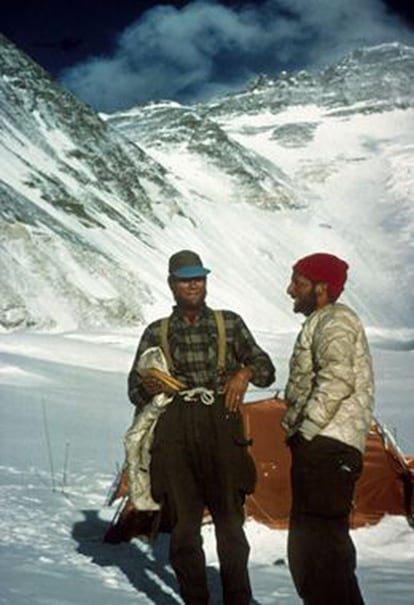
<point x="71" y="189"/>
<point x="197" y="146"/>
<point x="343" y="141"/>
<point x="356" y="177"/>
<point x="91" y="207"/>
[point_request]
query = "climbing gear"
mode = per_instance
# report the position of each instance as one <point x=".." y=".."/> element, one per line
<point x="202" y="394"/>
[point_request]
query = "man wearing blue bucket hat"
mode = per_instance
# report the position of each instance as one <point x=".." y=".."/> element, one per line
<point x="200" y="455"/>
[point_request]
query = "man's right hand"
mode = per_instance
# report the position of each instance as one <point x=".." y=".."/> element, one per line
<point x="153" y="386"/>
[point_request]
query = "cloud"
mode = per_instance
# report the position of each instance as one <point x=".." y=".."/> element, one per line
<point x="206" y="49"/>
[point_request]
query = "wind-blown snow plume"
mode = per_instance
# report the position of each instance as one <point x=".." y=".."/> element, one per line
<point x="205" y="49"/>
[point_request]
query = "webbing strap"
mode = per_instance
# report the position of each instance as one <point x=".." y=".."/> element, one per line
<point x="221" y="330"/>
<point x="164" y="341"/>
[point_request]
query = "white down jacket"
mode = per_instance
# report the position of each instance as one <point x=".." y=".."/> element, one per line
<point x="330" y="390"/>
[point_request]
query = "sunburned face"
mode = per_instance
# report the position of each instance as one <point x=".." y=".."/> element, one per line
<point x="189" y="293"/>
<point x="303" y="292"/>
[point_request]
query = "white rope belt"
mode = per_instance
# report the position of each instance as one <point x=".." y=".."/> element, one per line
<point x="202" y="394"/>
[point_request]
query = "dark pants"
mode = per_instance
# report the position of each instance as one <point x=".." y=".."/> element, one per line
<point x="200" y="460"/>
<point x="321" y="554"/>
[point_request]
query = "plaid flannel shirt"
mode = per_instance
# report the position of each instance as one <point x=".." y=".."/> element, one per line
<point x="194" y="350"/>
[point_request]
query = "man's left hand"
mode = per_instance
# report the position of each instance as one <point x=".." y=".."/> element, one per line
<point x="236" y="387"/>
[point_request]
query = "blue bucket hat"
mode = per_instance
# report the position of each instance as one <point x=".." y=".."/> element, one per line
<point x="186" y="265"/>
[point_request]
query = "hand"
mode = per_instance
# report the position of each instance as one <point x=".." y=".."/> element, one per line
<point x="236" y="387"/>
<point x="153" y="386"/>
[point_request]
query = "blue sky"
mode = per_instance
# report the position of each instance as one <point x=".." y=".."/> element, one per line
<point x="114" y="55"/>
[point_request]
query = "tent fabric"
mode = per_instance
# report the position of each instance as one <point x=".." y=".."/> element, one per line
<point x="385" y="487"/>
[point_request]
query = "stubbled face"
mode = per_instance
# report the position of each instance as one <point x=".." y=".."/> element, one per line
<point x="303" y="292"/>
<point x="189" y="294"/>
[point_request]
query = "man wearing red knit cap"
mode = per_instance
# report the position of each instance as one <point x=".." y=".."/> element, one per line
<point x="329" y="399"/>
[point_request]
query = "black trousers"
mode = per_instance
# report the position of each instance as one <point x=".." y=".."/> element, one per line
<point x="321" y="554"/>
<point x="200" y="460"/>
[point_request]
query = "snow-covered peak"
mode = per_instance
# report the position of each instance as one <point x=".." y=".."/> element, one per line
<point x="379" y="77"/>
<point x="92" y="206"/>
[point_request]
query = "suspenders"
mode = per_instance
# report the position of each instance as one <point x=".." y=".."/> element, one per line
<point x="164" y="341"/>
<point x="221" y="330"/>
<point x="221" y="354"/>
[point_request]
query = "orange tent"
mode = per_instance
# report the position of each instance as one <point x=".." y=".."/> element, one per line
<point x="385" y="487"/>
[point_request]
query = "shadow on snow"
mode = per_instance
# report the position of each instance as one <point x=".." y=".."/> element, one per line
<point x="146" y="567"/>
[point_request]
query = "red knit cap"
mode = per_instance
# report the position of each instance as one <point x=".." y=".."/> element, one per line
<point x="325" y="268"/>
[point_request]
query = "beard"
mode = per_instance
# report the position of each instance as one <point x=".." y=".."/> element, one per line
<point x="306" y="304"/>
